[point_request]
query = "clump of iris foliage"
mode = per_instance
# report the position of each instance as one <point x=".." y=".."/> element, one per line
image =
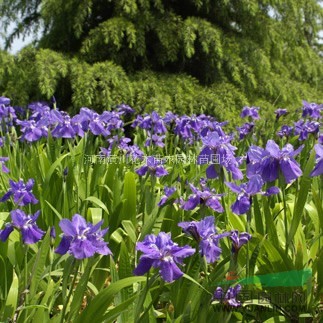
<point x="150" y="218"/>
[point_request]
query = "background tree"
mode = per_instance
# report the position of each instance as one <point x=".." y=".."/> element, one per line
<point x="210" y="56"/>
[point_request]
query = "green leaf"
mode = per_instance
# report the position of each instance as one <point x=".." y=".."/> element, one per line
<point x="119" y="310"/>
<point x="39" y="264"/>
<point x="54" y="210"/>
<point x="12" y="298"/>
<point x="129" y="196"/>
<point x="100" y="303"/>
<point x="81" y="288"/>
<point x="130" y="229"/>
<point x="53" y="167"/>
<point x="305" y="186"/>
<point x="97" y="202"/>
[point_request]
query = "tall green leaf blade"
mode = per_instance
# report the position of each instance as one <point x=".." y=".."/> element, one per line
<point x="305" y="186"/>
<point x="99" y="305"/>
<point x="39" y="264"/>
<point x="12" y="299"/>
<point x="129" y="196"/>
<point x="97" y="202"/>
<point x="80" y="289"/>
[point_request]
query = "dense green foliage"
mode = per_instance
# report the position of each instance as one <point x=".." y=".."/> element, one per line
<point x="211" y="56"/>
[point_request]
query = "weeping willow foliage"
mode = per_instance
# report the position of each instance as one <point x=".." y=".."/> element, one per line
<point x="201" y="56"/>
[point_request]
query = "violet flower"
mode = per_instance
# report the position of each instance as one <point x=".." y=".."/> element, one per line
<point x="245" y="129"/>
<point x="280" y="112"/>
<point x="239" y="239"/>
<point x="22" y="193"/>
<point x="26" y="224"/>
<point x="218" y="150"/>
<point x="65" y="127"/>
<point x="245" y="191"/>
<point x="82" y="239"/>
<point x="205" y="197"/>
<point x="125" y="109"/>
<point x="134" y="152"/>
<point x="4" y="168"/>
<point x="250" y="112"/>
<point x="312" y="110"/>
<point x="153" y="166"/>
<point x="320" y="139"/>
<point x="304" y="128"/>
<point x="155" y="140"/>
<point x="169" y="191"/>
<point x="285" y="131"/>
<point x="318" y="169"/>
<point x="7" y="112"/>
<point x="4" y="100"/>
<point x="270" y="161"/>
<point x="152" y="123"/>
<point x="230" y="297"/>
<point x="32" y="130"/>
<point x="204" y="232"/>
<point x="39" y="110"/>
<point x="161" y="252"/>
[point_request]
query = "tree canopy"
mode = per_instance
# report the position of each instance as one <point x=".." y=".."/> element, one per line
<point x="204" y="55"/>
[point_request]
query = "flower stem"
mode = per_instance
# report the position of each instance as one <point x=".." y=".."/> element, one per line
<point x="75" y="265"/>
<point x="282" y="186"/>
<point x="248" y="231"/>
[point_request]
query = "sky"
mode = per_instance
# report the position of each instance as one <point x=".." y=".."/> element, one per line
<point x="18" y="43"/>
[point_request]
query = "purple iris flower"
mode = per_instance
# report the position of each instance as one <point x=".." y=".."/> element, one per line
<point x="205" y="197"/>
<point x="230" y="297"/>
<point x="245" y="129"/>
<point x="318" y="169"/>
<point x="283" y="160"/>
<point x="156" y="141"/>
<point x="153" y="123"/>
<point x="52" y="232"/>
<point x="304" y="128"/>
<point x="7" y="113"/>
<point x="112" y="120"/>
<point x="268" y="162"/>
<point x="4" y="100"/>
<point x="204" y="232"/>
<point x="96" y="123"/>
<point x="122" y="144"/>
<point x="20" y="111"/>
<point x="22" y="193"/>
<point x="169" y="117"/>
<point x="1" y="142"/>
<point x="4" y="168"/>
<point x="285" y="131"/>
<point x="134" y="152"/>
<point x="280" y="112"/>
<point x="169" y="191"/>
<point x="250" y="112"/>
<point x="320" y="139"/>
<point x="218" y="150"/>
<point x="39" y="110"/>
<point x="32" y="130"/>
<point x="24" y="223"/>
<point x="245" y="192"/>
<point x="312" y="110"/>
<point x="125" y="109"/>
<point x="153" y="166"/>
<point x="64" y="128"/>
<point x="239" y="239"/>
<point x="161" y="252"/>
<point x="98" y="126"/>
<point x="82" y="239"/>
